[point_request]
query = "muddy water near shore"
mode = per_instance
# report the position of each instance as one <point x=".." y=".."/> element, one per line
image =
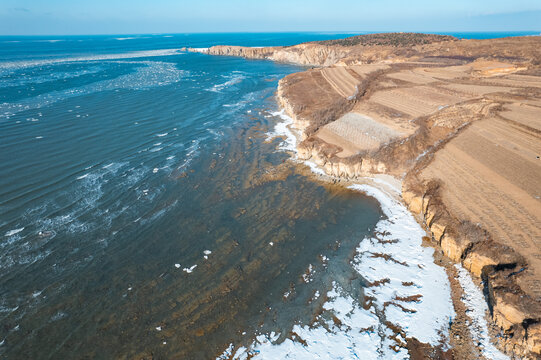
<point x="271" y="237"/>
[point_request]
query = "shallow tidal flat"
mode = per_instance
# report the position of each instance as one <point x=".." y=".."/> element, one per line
<point x="231" y="257"/>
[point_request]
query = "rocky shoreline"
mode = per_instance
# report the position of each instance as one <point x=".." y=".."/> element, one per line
<point x="491" y="263"/>
<point x="313" y="104"/>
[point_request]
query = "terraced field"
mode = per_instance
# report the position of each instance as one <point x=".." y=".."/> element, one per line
<point x="355" y="132"/>
<point x="476" y="90"/>
<point x="413" y="77"/>
<point x="341" y="80"/>
<point x="416" y="101"/>
<point x="516" y="80"/>
<point x="491" y="175"/>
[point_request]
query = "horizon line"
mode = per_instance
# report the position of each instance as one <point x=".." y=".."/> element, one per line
<point x="363" y="32"/>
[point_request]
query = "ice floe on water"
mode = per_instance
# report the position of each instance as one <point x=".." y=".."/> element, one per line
<point x="147" y="74"/>
<point x="127" y="55"/>
<point x="475" y="301"/>
<point x="13" y="232"/>
<point x="190" y="269"/>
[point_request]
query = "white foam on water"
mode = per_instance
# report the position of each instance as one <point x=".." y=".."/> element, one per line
<point x="233" y="80"/>
<point x="475" y="301"/>
<point x="193" y="151"/>
<point x="83" y="176"/>
<point x="162" y="135"/>
<point x="283" y="130"/>
<point x="13" y="232"/>
<point x="50" y="41"/>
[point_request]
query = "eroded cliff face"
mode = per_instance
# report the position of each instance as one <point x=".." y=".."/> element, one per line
<point x="500" y="267"/>
<point x="304" y="54"/>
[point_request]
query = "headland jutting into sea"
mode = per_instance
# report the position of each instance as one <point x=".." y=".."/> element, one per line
<point x="458" y="124"/>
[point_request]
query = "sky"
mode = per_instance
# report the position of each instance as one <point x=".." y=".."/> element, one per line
<point x="75" y="17"/>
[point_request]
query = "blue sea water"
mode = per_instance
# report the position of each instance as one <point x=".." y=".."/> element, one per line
<point x="143" y="212"/>
<point x="139" y="197"/>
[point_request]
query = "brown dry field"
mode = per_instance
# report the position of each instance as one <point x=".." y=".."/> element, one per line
<point x="341" y="80"/>
<point x="491" y="172"/>
<point x="416" y="101"/>
<point x="491" y="175"/>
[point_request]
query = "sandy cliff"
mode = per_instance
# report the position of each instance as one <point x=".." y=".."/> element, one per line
<point x="304" y="54"/>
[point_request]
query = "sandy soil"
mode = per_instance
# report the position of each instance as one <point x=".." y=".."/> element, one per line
<point x="516" y="81"/>
<point x="415" y="101"/>
<point x="523" y="114"/>
<point x="341" y="80"/>
<point x="413" y="77"/>
<point x="472" y="90"/>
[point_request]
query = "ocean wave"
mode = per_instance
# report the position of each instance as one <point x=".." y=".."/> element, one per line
<point x="283" y="130"/>
<point x="233" y="80"/>
<point x="50" y="40"/>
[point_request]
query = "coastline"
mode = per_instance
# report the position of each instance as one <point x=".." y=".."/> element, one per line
<point x="470" y="336"/>
<point x="441" y="97"/>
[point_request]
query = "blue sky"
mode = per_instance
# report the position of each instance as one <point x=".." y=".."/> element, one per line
<point x="47" y="17"/>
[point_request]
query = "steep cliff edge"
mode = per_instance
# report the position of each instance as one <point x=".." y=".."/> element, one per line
<point x="304" y="54"/>
<point x="460" y="123"/>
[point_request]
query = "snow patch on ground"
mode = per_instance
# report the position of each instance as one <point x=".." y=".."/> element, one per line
<point x="409" y="291"/>
<point x="477" y="306"/>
